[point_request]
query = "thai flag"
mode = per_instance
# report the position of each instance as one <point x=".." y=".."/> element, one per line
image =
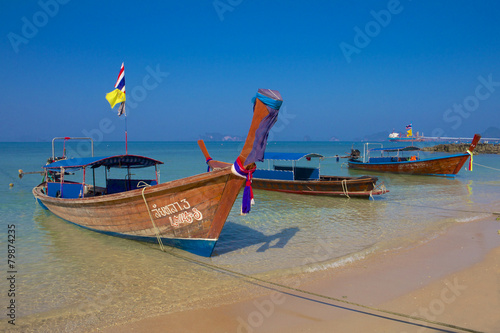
<point x="120" y="82"/>
<point x="407" y="126"/>
<point x="118" y="95"/>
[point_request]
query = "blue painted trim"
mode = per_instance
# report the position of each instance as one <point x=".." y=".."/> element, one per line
<point x="41" y="204"/>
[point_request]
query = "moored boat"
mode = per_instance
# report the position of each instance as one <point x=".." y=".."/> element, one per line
<point x="303" y="179"/>
<point x="445" y="166"/>
<point x="187" y="213"/>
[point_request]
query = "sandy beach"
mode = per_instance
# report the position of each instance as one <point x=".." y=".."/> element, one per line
<point x="451" y="281"/>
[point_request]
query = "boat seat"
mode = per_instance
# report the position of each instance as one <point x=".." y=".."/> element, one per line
<point x="382" y="159"/>
<point x="301" y="173"/>
<point x="67" y="190"/>
<point x="273" y="174"/>
<point x="123" y="185"/>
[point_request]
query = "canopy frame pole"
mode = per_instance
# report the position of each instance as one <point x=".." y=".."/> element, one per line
<point x="61" y="183"/>
<point x="47" y="181"/>
<point x="83" y="183"/>
<point x="129" y="178"/>
<point x="70" y="138"/>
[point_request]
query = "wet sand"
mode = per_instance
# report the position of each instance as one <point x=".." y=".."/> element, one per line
<point x="453" y="279"/>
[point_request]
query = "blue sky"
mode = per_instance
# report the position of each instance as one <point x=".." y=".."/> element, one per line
<point x="344" y="68"/>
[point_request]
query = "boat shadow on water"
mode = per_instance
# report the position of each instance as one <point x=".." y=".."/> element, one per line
<point x="236" y="237"/>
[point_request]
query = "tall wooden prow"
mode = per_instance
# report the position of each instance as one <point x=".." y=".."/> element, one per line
<point x="265" y="113"/>
<point x="212" y="164"/>
<point x="473" y="145"/>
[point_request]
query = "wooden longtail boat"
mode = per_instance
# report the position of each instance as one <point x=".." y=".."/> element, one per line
<point x="188" y="213"/>
<point x="303" y="180"/>
<point x="445" y="166"/>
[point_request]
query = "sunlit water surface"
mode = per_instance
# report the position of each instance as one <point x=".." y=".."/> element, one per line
<point x="73" y="279"/>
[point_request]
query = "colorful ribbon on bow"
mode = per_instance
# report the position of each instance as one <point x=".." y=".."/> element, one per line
<point x="248" y="200"/>
<point x="208" y="165"/>
<point x="470" y="160"/>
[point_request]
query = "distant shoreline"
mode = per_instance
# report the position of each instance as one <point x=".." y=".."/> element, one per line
<point x="481" y="148"/>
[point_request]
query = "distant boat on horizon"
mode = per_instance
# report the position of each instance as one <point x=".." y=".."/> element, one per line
<point x="409" y="137"/>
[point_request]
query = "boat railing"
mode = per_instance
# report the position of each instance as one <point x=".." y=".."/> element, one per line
<point x="366" y="150"/>
<point x="66" y="138"/>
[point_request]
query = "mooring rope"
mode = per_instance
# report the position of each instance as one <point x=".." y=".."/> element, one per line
<point x="484" y="166"/>
<point x="448" y="209"/>
<point x="144" y="185"/>
<point x="393" y="313"/>
<point x="344" y="188"/>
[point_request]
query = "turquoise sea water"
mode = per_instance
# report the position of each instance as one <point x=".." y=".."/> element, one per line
<point x="68" y="278"/>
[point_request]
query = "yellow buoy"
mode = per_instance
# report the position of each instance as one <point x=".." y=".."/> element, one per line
<point x="11" y="185"/>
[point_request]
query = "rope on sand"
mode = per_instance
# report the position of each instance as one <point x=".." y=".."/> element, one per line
<point x="393" y="313"/>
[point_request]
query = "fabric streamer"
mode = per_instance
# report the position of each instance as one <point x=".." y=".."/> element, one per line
<point x="470" y="160"/>
<point x="262" y="132"/>
<point x="272" y="103"/>
<point x="248" y="200"/>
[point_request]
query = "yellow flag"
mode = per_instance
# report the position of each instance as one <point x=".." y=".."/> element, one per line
<point x="409" y="133"/>
<point x="115" y="97"/>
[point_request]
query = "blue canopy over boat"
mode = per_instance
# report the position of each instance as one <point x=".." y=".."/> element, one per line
<point x="289" y="156"/>
<point x="116" y="161"/>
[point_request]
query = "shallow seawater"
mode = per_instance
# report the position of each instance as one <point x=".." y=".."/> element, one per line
<point x="68" y="278"/>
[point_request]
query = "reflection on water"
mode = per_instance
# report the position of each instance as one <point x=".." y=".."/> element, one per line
<point x="86" y="277"/>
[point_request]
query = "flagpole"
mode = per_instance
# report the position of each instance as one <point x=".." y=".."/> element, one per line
<point x="126" y="138"/>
